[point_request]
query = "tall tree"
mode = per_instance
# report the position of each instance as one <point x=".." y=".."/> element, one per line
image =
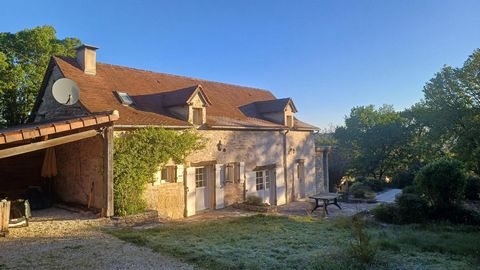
<point x="449" y="115"/>
<point x="373" y="140"/>
<point x="24" y="58"/>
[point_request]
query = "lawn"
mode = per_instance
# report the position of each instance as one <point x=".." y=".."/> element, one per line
<point x="274" y="242"/>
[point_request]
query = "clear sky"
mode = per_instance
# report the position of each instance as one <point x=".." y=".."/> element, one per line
<point x="327" y="55"/>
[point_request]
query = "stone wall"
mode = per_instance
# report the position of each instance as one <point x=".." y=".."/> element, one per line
<point x="234" y="193"/>
<point x="50" y="108"/>
<point x="79" y="165"/>
<point x="167" y="198"/>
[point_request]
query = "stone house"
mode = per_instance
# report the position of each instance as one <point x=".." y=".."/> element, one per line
<point x="255" y="143"/>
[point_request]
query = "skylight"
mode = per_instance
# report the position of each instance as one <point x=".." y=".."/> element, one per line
<point x="124" y="98"/>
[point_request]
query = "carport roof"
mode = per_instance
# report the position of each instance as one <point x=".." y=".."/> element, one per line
<point x="40" y="129"/>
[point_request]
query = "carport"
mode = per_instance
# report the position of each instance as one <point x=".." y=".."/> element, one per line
<point x="73" y="155"/>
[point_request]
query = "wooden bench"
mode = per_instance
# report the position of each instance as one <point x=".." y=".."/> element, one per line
<point x="327" y="199"/>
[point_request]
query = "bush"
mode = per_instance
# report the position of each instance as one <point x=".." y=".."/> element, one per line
<point x="408" y="208"/>
<point x="376" y="185"/>
<point x="442" y="182"/>
<point x="403" y="179"/>
<point x="254" y="200"/>
<point x="387" y="213"/>
<point x="410" y="189"/>
<point x="362" y="191"/>
<point x="457" y="214"/>
<point x="137" y="156"/>
<point x="472" y="188"/>
<point x="411" y="208"/>
<point x="362" y="248"/>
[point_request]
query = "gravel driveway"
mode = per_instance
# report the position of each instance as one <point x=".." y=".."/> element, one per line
<point x="59" y="239"/>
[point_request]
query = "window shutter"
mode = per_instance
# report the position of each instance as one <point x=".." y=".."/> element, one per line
<point x="250" y="183"/>
<point x="280" y="184"/>
<point x="241" y="172"/>
<point x="190" y="192"/>
<point x="219" y="183"/>
<point x="180" y="170"/>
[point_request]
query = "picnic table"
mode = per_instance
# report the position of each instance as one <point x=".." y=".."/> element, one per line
<point x="327" y="199"/>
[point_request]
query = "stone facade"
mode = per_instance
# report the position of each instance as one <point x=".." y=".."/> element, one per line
<point x="50" y="109"/>
<point x="80" y="165"/>
<point x="167" y="198"/>
<point x="290" y="155"/>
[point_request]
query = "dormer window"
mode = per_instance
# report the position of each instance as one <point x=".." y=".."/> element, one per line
<point x="289" y="121"/>
<point x="197" y="116"/>
<point x="124" y="98"/>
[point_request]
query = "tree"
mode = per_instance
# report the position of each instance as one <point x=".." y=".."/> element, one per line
<point x="448" y="119"/>
<point x="372" y="140"/>
<point x="24" y="58"/>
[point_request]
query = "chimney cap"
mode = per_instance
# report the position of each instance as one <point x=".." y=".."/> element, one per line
<point x="81" y="46"/>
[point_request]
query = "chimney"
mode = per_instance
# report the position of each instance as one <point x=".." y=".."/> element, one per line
<point x="87" y="58"/>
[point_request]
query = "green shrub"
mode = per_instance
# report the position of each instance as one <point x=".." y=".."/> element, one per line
<point x="403" y="179"/>
<point x="410" y="189"/>
<point x="408" y="208"/>
<point x="362" y="191"/>
<point x="137" y="156"/>
<point x="472" y="188"/>
<point x="456" y="214"/>
<point x="442" y="182"/>
<point x="362" y="248"/>
<point x="254" y="200"/>
<point x="376" y="185"/>
<point x="411" y="208"/>
<point x="387" y="213"/>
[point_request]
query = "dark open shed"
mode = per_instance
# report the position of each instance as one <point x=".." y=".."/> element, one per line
<point x="64" y="161"/>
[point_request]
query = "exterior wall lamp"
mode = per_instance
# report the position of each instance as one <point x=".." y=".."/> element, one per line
<point x="221" y="147"/>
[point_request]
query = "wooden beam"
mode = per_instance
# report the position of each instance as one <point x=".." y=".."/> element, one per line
<point x="108" y="171"/>
<point x="18" y="150"/>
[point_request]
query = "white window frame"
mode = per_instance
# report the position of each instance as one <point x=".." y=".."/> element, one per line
<point x="200" y="173"/>
<point x="262" y="180"/>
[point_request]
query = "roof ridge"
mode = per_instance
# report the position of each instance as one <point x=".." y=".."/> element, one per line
<point x="173" y="75"/>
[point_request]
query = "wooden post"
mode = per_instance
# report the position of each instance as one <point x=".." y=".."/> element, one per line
<point x="108" y="171"/>
<point x="4" y="217"/>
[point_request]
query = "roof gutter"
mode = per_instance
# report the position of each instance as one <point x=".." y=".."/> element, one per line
<point x="146" y="126"/>
<point x="248" y="128"/>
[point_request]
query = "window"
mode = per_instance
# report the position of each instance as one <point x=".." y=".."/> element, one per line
<point x="124" y="98"/>
<point x="262" y="179"/>
<point x="197" y="116"/>
<point x="267" y="180"/>
<point x="167" y="174"/>
<point x="289" y="120"/>
<point x="199" y="177"/>
<point x="229" y="173"/>
<point x="259" y="180"/>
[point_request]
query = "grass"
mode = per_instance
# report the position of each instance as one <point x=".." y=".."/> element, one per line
<point x="273" y="242"/>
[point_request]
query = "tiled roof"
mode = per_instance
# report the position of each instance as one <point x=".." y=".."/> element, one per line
<point x="39" y="129"/>
<point x="153" y="92"/>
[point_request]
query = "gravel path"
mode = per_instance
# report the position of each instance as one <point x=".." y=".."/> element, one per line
<point x="75" y="242"/>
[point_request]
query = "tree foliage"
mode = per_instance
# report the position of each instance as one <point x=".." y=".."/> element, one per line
<point x="442" y="182"/>
<point x="24" y="58"/>
<point x="372" y="140"/>
<point x="448" y="119"/>
<point x="138" y="156"/>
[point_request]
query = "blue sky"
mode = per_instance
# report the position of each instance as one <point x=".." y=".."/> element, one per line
<point x="327" y="55"/>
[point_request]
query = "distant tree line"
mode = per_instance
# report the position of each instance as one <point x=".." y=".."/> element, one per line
<point x="380" y="142"/>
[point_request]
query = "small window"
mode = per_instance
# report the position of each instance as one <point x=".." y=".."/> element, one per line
<point x="167" y="174"/>
<point x="124" y="98"/>
<point x="289" y="120"/>
<point x="197" y="116"/>
<point x="229" y="173"/>
<point x="199" y="177"/>
<point x="259" y="180"/>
